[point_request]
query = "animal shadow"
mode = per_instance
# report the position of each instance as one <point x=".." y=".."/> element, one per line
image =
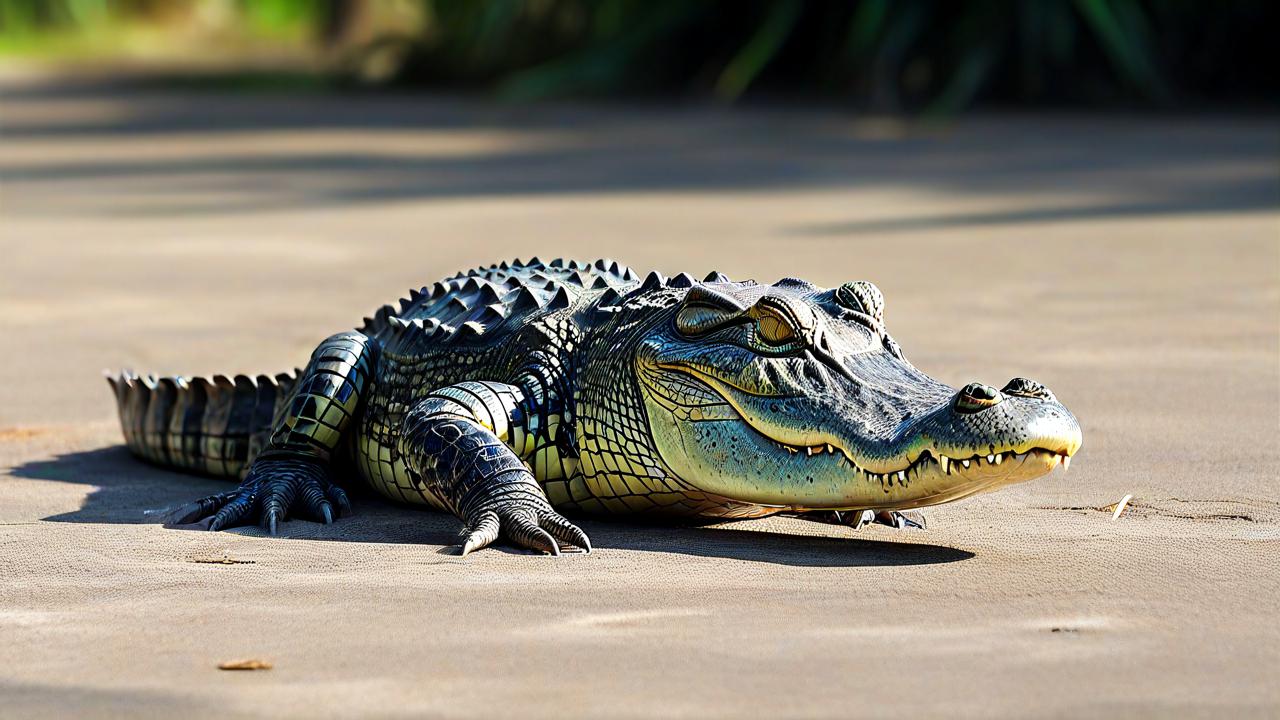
<point x="128" y="491"/>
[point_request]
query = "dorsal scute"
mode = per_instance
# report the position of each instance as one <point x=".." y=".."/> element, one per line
<point x="683" y="280"/>
<point x="502" y="295"/>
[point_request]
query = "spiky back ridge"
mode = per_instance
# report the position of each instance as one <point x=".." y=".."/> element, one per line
<point x="485" y="300"/>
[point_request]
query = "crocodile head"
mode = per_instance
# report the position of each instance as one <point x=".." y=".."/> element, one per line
<point x="794" y="395"/>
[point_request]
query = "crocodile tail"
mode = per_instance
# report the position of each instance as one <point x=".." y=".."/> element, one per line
<point x="211" y="426"/>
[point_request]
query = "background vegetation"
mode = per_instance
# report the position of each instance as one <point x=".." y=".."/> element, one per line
<point x="885" y="55"/>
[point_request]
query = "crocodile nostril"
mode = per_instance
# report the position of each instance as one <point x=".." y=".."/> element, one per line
<point x="977" y="396"/>
<point x="979" y="391"/>
<point x="1023" y="387"/>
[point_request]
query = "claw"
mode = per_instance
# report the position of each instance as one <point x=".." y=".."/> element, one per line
<point x="863" y="518"/>
<point x="566" y="531"/>
<point x="913" y="519"/>
<point x="232" y="513"/>
<point x="338" y="497"/>
<point x="475" y="542"/>
<point x="186" y="513"/>
<point x="482" y="533"/>
<point x="273" y="517"/>
<point x="579" y="538"/>
<point x="311" y="498"/>
<point x="278" y="493"/>
<point x="174" y="514"/>
<point x="193" y="511"/>
<point x="272" y="514"/>
<point x="524" y="532"/>
<point x="550" y="544"/>
<point x="326" y="510"/>
<point x="901" y="520"/>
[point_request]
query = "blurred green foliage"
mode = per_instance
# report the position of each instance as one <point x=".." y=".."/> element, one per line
<point x="888" y="55"/>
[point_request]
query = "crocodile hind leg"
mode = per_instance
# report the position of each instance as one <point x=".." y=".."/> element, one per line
<point x="289" y="477"/>
<point x="455" y="443"/>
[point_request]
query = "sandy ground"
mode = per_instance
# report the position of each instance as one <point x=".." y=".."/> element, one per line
<point x="1132" y="264"/>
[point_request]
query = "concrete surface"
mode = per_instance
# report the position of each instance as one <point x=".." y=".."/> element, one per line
<point x="1130" y="263"/>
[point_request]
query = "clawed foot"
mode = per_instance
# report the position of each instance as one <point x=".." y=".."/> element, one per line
<point x="528" y="522"/>
<point x="909" y="519"/>
<point x="856" y="519"/>
<point x="275" y="489"/>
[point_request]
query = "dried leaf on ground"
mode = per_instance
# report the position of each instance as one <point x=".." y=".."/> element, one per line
<point x="250" y="664"/>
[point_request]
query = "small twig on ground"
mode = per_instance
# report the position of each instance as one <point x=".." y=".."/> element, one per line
<point x="1120" y="506"/>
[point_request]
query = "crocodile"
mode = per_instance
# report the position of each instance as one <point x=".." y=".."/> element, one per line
<point x="516" y="394"/>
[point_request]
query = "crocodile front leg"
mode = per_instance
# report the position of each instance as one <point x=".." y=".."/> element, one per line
<point x="290" y="475"/>
<point x="454" y="442"/>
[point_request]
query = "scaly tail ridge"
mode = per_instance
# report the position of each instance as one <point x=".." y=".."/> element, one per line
<point x="211" y="426"/>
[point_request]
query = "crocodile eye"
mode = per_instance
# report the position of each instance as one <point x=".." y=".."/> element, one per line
<point x="773" y="329"/>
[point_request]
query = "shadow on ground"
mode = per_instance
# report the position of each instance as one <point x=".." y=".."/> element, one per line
<point x="51" y="700"/>
<point x="344" y="151"/>
<point x="126" y="488"/>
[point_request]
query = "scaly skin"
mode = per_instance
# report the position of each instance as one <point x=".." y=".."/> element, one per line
<point x="511" y="394"/>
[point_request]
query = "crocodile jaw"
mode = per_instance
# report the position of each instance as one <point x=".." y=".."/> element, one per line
<point x="930" y="480"/>
<point x="731" y="444"/>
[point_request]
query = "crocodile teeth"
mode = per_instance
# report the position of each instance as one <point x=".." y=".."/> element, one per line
<point x="965" y="463"/>
<point x="991" y="459"/>
<point x="945" y="463"/>
<point x="830" y="448"/>
<point x="901" y="476"/>
<point x="1066" y="462"/>
<point x="999" y="458"/>
<point x="811" y="450"/>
